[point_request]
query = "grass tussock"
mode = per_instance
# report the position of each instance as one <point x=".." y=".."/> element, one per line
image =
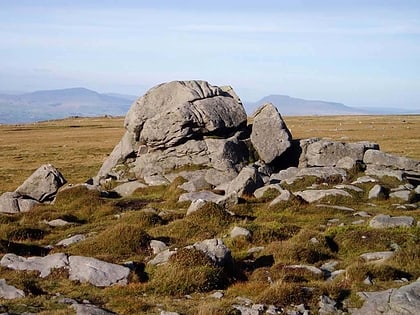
<point x="187" y="271"/>
<point x="283" y="294"/>
<point x="119" y="241"/>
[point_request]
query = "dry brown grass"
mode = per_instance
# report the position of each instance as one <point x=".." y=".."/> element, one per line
<point x="78" y="146"/>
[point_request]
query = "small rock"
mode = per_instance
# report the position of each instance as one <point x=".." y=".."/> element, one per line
<point x="71" y="240"/>
<point x="315" y="195"/>
<point x="157" y="246"/>
<point x="217" y="295"/>
<point x="195" y="206"/>
<point x="239" y="231"/>
<point x="377" y="192"/>
<point x="364" y="179"/>
<point x="284" y="196"/>
<point x="162" y="257"/>
<point x="362" y="214"/>
<point x="57" y="223"/>
<point x="127" y="189"/>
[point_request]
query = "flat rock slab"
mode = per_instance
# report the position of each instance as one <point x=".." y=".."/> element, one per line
<point x="315" y="195"/>
<point x="404" y="300"/>
<point x="41" y="264"/>
<point x="90" y="309"/>
<point x="96" y="272"/>
<point x="71" y="240"/>
<point x="377" y="256"/>
<point x="127" y="189"/>
<point x="9" y="292"/>
<point x="386" y="221"/>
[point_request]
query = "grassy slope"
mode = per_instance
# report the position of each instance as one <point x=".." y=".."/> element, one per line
<point x="79" y="146"/>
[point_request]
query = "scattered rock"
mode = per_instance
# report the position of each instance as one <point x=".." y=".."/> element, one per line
<point x="196" y="205"/>
<point x="349" y="187"/>
<point x="247" y="181"/>
<point x="259" y="193"/>
<point x="57" y="223"/>
<point x="377" y="192"/>
<point x="315" y="195"/>
<point x="377" y="257"/>
<point x="162" y="257"/>
<point x="284" y="196"/>
<point x="342" y="208"/>
<point x="362" y="214"/>
<point x="386" y="221"/>
<point x="217" y="295"/>
<point x="157" y="246"/>
<point x="239" y="231"/>
<point x="9" y="292"/>
<point x="403" y="195"/>
<point x="270" y="136"/>
<point x="364" y="179"/>
<point x="90" y="309"/>
<point x="216" y="250"/>
<point x="313" y="269"/>
<point x="327" y="306"/>
<point x="71" y="240"/>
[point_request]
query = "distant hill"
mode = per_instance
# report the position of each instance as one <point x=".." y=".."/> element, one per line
<point x="291" y="106"/>
<point x="54" y="104"/>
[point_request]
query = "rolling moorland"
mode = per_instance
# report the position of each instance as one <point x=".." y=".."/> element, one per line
<point x="78" y="147"/>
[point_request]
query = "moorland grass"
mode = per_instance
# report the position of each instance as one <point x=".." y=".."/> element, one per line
<point x="291" y="232"/>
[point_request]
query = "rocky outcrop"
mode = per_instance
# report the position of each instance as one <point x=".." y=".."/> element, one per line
<point x="270" y="136"/>
<point x="182" y="121"/>
<point x="386" y="221"/>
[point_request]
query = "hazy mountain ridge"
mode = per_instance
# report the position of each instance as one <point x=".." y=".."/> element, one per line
<point x="53" y="104"/>
<point x="296" y="106"/>
<point x="56" y="104"/>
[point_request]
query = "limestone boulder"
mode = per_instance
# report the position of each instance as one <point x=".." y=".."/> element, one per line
<point x="10" y="292"/>
<point x="329" y="153"/>
<point x="216" y="250"/>
<point x="380" y="158"/>
<point x="43" y="184"/>
<point x="315" y="195"/>
<point x="247" y="181"/>
<point x="386" y="221"/>
<point x="97" y="272"/>
<point x="172" y="112"/>
<point x="177" y="124"/>
<point x="270" y="135"/>
<point x="43" y="265"/>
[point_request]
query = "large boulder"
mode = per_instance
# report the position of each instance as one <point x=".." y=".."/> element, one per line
<point x="389" y="160"/>
<point x="176" y="124"/>
<point x="329" y="153"/>
<point x="270" y="136"/>
<point x="43" y="184"/>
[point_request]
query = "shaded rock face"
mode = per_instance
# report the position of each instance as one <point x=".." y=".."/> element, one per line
<point x="43" y="184"/>
<point x="270" y="136"/>
<point x="181" y="123"/>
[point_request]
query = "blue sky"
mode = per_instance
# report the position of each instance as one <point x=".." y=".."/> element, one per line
<point x="360" y="53"/>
